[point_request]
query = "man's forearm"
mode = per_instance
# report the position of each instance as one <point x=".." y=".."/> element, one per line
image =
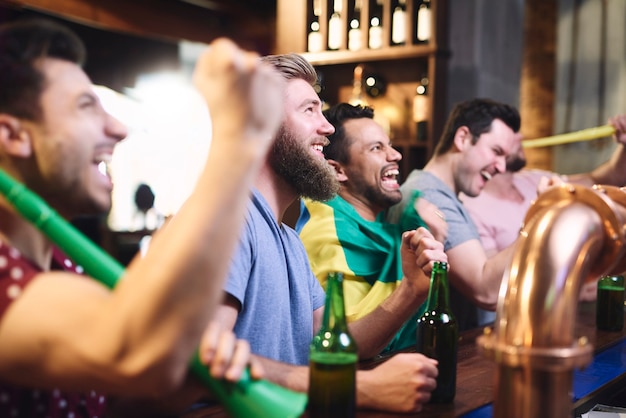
<point x="286" y="375"/>
<point x="612" y="172"/>
<point x="374" y="331"/>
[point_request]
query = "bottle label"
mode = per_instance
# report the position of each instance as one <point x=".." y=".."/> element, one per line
<point x="332" y="390"/>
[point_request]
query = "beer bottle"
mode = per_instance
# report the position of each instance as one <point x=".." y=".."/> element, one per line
<point x="438" y="334"/>
<point x="332" y="359"/>
<point x="610" y="303"/>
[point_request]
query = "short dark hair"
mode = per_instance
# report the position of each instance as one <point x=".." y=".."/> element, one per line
<point x="477" y="115"/>
<point x="338" y="148"/>
<point x="23" y="44"/>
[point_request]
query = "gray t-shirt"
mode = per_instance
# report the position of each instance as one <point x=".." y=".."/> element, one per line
<point x="461" y="228"/>
<point x="271" y="277"/>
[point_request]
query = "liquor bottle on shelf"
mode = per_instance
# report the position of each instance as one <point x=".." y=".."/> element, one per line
<point x="354" y="34"/>
<point x="421" y="110"/>
<point x="357" y="97"/>
<point x="398" y="23"/>
<point x="315" y="37"/>
<point x="315" y="43"/>
<point x="438" y="334"/>
<point x="376" y="29"/>
<point x="375" y="34"/>
<point x="335" y="29"/>
<point x="317" y="7"/>
<point x="333" y="359"/>
<point x="423" y="22"/>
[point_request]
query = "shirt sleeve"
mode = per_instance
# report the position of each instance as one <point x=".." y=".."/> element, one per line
<point x="241" y="265"/>
<point x="15" y="274"/>
<point x="461" y="228"/>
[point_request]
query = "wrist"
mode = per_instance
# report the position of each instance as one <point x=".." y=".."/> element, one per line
<point x="416" y="288"/>
<point x="365" y="390"/>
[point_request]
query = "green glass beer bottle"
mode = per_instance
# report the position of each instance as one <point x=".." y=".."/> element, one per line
<point x="438" y="334"/>
<point x="333" y="359"/>
<point x="610" y="303"/>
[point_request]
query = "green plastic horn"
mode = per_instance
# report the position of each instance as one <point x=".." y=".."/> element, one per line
<point x="245" y="398"/>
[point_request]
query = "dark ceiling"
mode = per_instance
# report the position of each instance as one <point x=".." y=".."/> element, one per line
<point x="256" y="8"/>
<point x="127" y="37"/>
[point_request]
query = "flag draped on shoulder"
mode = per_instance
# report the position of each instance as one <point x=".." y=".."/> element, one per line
<point x="337" y="238"/>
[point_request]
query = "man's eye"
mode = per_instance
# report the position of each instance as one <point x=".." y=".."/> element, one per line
<point x="87" y="103"/>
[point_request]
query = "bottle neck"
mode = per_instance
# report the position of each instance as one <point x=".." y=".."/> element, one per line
<point x="357" y="89"/>
<point x="438" y="298"/>
<point x="334" y="309"/>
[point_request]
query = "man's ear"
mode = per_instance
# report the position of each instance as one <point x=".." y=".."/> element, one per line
<point x="14" y="138"/>
<point x="462" y="138"/>
<point x="340" y="173"/>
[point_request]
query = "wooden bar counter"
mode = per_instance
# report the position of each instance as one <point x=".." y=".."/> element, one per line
<point x="475" y="376"/>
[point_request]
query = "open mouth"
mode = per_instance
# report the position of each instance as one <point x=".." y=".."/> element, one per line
<point x="390" y="177"/>
<point x="318" y="148"/>
<point x="486" y="175"/>
<point x="103" y="162"/>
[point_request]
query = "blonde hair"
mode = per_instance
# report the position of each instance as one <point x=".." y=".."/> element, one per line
<point x="292" y="66"/>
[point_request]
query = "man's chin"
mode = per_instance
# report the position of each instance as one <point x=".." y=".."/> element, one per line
<point x="388" y="198"/>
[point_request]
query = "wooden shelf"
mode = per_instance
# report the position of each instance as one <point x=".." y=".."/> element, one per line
<point x="387" y="54"/>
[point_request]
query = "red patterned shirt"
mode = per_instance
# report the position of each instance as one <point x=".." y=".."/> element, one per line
<point x="16" y="272"/>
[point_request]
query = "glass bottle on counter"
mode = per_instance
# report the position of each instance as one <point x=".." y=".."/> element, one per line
<point x="333" y="359"/>
<point x="438" y="334"/>
<point x="610" y="303"/>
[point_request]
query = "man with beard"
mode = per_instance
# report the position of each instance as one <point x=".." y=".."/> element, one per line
<point x="477" y="137"/>
<point x="273" y="300"/>
<point x="499" y="210"/>
<point x="346" y="234"/>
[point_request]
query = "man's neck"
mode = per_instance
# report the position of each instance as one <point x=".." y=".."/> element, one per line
<point x="443" y="168"/>
<point x="276" y="191"/>
<point x="361" y="206"/>
<point x="25" y="237"/>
